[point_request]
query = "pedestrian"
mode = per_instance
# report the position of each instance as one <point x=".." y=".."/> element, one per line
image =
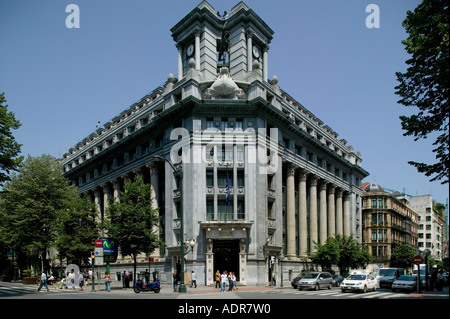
<point x="234" y="281"/>
<point x="147" y="276"/>
<point x="71" y="279"/>
<point x="274" y="279"/>
<point x="223" y="281"/>
<point x="217" y="279"/>
<point x="175" y="281"/>
<point x="80" y="280"/>
<point x="124" y="279"/>
<point x="43" y="282"/>
<point x="107" y="282"/>
<point x="230" y="281"/>
<point x="193" y="279"/>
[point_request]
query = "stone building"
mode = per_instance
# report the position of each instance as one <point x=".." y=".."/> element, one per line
<point x="262" y="176"/>
<point x="388" y="221"/>
<point x="432" y="231"/>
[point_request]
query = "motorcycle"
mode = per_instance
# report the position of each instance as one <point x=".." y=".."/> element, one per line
<point x="141" y="286"/>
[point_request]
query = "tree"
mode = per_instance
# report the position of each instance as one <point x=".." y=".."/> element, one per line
<point x="77" y="229"/>
<point x="9" y="148"/>
<point x="402" y="257"/>
<point x="425" y="84"/>
<point x="132" y="221"/>
<point x="342" y="251"/>
<point x="32" y="201"/>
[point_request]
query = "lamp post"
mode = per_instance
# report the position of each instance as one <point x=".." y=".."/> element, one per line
<point x="179" y="173"/>
<point x="427" y="252"/>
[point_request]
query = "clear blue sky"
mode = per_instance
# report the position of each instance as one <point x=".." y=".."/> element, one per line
<point x="61" y="82"/>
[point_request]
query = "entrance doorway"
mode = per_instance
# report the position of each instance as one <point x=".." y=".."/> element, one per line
<point x="226" y="256"/>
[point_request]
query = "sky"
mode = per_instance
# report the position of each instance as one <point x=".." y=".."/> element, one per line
<point x="61" y="83"/>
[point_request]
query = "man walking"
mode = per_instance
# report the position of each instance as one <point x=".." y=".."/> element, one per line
<point x="43" y="282"/>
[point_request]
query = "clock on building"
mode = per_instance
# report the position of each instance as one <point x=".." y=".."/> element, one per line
<point x="255" y="51"/>
<point x="190" y="50"/>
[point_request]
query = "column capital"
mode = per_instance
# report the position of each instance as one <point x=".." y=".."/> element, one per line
<point x="332" y="188"/>
<point x="303" y="174"/>
<point x="313" y="180"/>
<point x="291" y="168"/>
<point x="339" y="192"/>
<point x="323" y="184"/>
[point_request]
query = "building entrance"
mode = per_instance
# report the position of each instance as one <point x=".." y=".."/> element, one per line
<point x="226" y="256"/>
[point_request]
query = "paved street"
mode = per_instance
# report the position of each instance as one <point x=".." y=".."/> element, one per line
<point x="21" y="291"/>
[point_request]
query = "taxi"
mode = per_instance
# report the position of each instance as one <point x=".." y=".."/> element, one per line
<point x="359" y="282"/>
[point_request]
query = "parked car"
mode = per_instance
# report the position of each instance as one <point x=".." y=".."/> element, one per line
<point x="359" y="282"/>
<point x="337" y="279"/>
<point x="315" y="280"/>
<point x="387" y="276"/>
<point x="294" y="281"/>
<point x="405" y="282"/>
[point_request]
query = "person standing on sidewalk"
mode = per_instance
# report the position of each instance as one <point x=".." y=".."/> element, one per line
<point x="193" y="279"/>
<point x="43" y="282"/>
<point x="217" y="279"/>
<point x="107" y="282"/>
<point x="223" y="281"/>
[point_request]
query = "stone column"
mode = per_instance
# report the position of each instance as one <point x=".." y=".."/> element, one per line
<point x="197" y="48"/>
<point x="346" y="219"/>
<point x="180" y="61"/>
<point x="98" y="205"/>
<point x="331" y="211"/>
<point x="116" y="189"/>
<point x="303" y="219"/>
<point x="154" y="195"/>
<point x="339" y="226"/>
<point x="106" y="196"/>
<point x="323" y="212"/>
<point x="290" y="208"/>
<point x="313" y="234"/>
<point x="249" y="51"/>
<point x="265" y="66"/>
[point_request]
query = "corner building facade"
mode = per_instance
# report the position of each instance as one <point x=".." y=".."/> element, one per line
<point x="263" y="178"/>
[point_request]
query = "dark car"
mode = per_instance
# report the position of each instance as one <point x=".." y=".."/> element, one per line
<point x="294" y="281"/>
<point x="337" y="279"/>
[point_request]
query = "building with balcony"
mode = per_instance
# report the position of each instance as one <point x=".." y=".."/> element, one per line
<point x="263" y="178"/>
<point x="388" y="221"/>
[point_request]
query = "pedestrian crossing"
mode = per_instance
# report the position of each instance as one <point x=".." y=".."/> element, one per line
<point x="336" y="293"/>
<point x="11" y="291"/>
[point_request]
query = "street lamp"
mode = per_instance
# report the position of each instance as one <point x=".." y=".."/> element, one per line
<point x="179" y="173"/>
<point x="427" y="252"/>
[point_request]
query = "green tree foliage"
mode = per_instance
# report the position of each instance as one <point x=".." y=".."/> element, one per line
<point x="132" y="222"/>
<point x="9" y="148"/>
<point x="32" y="203"/>
<point x="77" y="229"/>
<point x="425" y="84"/>
<point x="342" y="251"/>
<point x="402" y="257"/>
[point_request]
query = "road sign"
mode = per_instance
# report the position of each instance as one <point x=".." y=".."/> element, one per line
<point x="99" y="243"/>
<point x="418" y="260"/>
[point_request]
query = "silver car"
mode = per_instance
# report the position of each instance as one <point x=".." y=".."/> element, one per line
<point x="315" y="280"/>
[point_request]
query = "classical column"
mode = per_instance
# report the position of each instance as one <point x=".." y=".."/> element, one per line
<point x="98" y="203"/>
<point x="197" y="48"/>
<point x="323" y="212"/>
<point x="106" y="196"/>
<point x="303" y="220"/>
<point x="265" y="66"/>
<point x="290" y="207"/>
<point x="331" y="211"/>
<point x="249" y="51"/>
<point x="339" y="226"/>
<point x="346" y="219"/>
<point x="313" y="234"/>
<point x="116" y="189"/>
<point x="154" y="195"/>
<point x="180" y="61"/>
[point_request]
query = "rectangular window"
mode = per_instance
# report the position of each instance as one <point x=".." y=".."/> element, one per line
<point x="209" y="209"/>
<point x="209" y="178"/>
<point x="224" y="211"/>
<point x="222" y="178"/>
<point x="374" y="203"/>
<point x="240" y="178"/>
<point x="240" y="209"/>
<point x="374" y="219"/>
